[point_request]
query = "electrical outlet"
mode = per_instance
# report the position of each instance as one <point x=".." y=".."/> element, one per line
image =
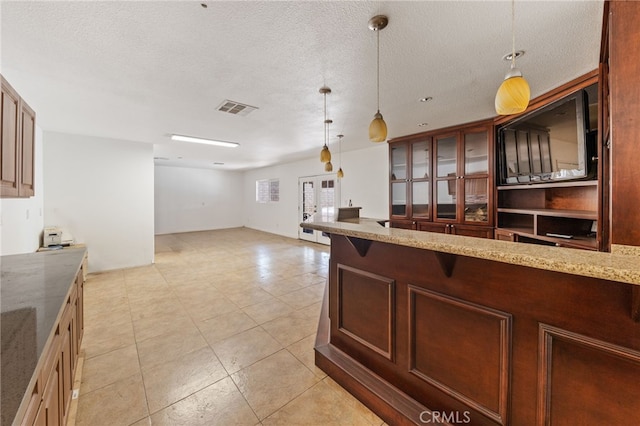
<point x="75" y="394"/>
<point x="27" y="214"/>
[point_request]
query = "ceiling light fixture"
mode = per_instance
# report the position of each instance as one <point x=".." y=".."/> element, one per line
<point x="183" y="138"/>
<point x="514" y="93"/>
<point x="425" y="99"/>
<point x="378" y="128"/>
<point x="328" y="167"/>
<point x="340" y="172"/>
<point x="325" y="154"/>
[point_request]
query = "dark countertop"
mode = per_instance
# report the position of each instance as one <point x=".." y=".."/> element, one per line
<point x="33" y="288"/>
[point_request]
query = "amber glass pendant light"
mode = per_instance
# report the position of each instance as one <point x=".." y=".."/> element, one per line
<point x="325" y="154"/>
<point x="514" y="93"/>
<point x="340" y="172"/>
<point x="328" y="167"/>
<point x="378" y="128"/>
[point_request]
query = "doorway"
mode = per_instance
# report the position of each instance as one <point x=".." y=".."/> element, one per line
<point x="317" y="196"/>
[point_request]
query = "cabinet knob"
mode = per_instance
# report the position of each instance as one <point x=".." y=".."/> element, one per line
<point x="558" y="245"/>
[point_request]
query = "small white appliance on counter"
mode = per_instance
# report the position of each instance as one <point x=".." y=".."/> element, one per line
<point x="56" y="236"/>
<point x="52" y="237"/>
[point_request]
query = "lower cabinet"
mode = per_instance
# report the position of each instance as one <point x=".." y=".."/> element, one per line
<point x="445" y="228"/>
<point x="50" y="396"/>
<point x="455" y="229"/>
<point x="49" y="411"/>
<point x="403" y="224"/>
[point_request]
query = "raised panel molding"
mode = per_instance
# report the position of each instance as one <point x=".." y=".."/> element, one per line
<point x="581" y="380"/>
<point x="451" y="340"/>
<point x="366" y="309"/>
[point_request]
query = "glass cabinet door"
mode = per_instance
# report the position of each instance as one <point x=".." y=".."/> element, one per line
<point x="476" y="192"/>
<point x="420" y="184"/>
<point x="446" y="199"/>
<point x="399" y="162"/>
<point x="446" y="174"/>
<point x="476" y="177"/>
<point x="420" y="160"/>
<point x="399" y="179"/>
<point x="476" y="155"/>
<point x="399" y="199"/>
<point x="446" y="162"/>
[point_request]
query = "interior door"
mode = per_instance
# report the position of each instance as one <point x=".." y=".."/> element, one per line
<point x="317" y="200"/>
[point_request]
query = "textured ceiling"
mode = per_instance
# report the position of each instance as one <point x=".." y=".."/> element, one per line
<point x="141" y="70"/>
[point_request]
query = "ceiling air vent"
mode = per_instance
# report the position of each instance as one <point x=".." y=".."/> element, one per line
<point x="235" y="108"/>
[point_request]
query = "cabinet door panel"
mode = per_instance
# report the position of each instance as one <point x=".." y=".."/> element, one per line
<point x="10" y="142"/>
<point x="399" y="199"/>
<point x="420" y="199"/>
<point x="446" y="156"/>
<point x="27" y="139"/>
<point x="399" y="162"/>
<point x="420" y="160"/>
<point x="446" y="199"/>
<point x="476" y="153"/>
<point x="476" y="196"/>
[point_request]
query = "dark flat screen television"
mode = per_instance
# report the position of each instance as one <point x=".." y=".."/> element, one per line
<point x="554" y="143"/>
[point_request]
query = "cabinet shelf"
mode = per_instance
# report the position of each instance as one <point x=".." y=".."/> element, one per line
<point x="558" y="184"/>
<point x="527" y="235"/>
<point x="574" y="214"/>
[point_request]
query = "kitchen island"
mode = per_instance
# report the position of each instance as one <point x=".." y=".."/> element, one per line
<point x="41" y="295"/>
<point x="425" y="327"/>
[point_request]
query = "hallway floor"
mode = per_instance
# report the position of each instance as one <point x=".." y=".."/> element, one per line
<point x="219" y="331"/>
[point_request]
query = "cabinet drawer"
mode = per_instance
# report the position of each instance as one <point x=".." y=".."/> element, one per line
<point x="504" y="235"/>
<point x="402" y="224"/>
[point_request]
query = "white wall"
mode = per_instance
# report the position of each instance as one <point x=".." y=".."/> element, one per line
<point x="101" y="190"/>
<point x="365" y="182"/>
<point x="197" y="199"/>
<point x="21" y="220"/>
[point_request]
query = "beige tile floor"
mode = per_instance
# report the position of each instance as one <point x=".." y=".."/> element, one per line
<point x="219" y="331"/>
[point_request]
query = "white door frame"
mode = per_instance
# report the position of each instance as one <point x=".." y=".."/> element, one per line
<point x="310" y="234"/>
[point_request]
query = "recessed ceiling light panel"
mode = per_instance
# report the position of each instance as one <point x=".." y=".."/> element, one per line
<point x="192" y="139"/>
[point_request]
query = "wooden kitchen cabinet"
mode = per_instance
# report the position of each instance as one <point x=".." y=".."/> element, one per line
<point x="17" y="142"/>
<point x="47" y="400"/>
<point x="442" y="181"/>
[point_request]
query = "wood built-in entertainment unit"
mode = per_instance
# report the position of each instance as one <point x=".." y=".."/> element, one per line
<point x="547" y="178"/>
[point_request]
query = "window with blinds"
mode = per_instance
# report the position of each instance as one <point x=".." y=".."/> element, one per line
<point x="267" y="190"/>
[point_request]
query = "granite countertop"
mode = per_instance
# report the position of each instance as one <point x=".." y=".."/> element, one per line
<point x="33" y="288"/>
<point x="614" y="267"/>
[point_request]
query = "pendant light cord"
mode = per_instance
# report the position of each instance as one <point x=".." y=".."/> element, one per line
<point x="378" y="34"/>
<point x="325" y="119"/>
<point x="513" y="33"/>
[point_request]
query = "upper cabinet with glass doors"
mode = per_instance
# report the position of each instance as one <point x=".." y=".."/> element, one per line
<point x="442" y="181"/>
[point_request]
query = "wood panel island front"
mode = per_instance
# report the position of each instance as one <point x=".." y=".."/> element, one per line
<point x="432" y="328"/>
